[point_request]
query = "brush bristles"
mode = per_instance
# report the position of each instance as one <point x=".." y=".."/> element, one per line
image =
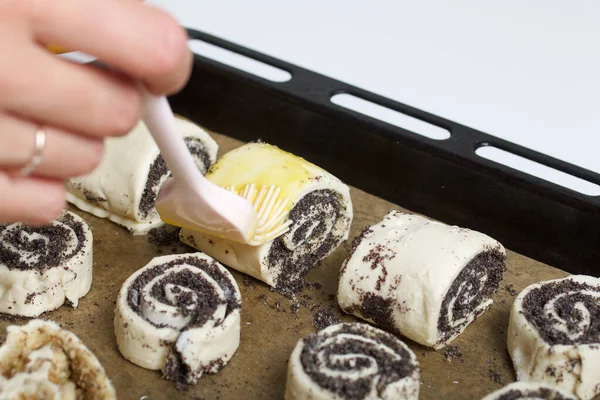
<point x="270" y="208"/>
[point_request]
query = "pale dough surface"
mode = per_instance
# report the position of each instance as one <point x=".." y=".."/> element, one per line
<point x="117" y="184"/>
<point x="574" y="368"/>
<point x="416" y="261"/>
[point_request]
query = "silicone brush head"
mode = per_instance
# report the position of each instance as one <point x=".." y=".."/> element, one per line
<point x="269" y="178"/>
<point x="209" y="209"/>
<point x="189" y="200"/>
<point x="231" y="222"/>
<point x="271" y="209"/>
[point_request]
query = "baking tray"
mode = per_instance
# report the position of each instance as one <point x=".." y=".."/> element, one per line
<point x="270" y="327"/>
<point x="389" y="168"/>
<point x="443" y="179"/>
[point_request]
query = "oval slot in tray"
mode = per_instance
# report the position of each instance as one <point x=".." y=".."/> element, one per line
<point x="390" y="116"/>
<point x="239" y="61"/>
<point x="538" y="170"/>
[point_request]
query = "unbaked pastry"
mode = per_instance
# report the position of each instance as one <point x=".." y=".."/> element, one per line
<point x="320" y="208"/>
<point x="353" y="362"/>
<point x="41" y="267"/>
<point x="179" y="314"/>
<point x="123" y="188"/>
<point x="554" y="334"/>
<point x="40" y="360"/>
<point x="529" y="391"/>
<point x="423" y="279"/>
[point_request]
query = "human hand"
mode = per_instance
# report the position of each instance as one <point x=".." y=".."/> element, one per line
<point x="75" y="105"/>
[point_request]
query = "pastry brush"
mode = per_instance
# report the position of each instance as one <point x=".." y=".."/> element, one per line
<point x="252" y="215"/>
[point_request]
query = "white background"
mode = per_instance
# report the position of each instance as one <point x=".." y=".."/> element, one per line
<point x="526" y="71"/>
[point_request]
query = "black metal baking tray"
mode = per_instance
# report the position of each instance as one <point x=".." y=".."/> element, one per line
<point x="443" y="179"/>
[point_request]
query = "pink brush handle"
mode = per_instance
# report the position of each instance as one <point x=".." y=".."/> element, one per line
<point x="160" y="121"/>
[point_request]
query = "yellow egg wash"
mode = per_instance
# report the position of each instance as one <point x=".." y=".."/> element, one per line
<point x="263" y="164"/>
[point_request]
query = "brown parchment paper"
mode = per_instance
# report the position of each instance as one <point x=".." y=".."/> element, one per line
<point x="270" y="329"/>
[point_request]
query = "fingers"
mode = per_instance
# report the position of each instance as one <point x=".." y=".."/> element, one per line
<point x="30" y="200"/>
<point x="60" y="93"/>
<point x="65" y="155"/>
<point x="136" y="38"/>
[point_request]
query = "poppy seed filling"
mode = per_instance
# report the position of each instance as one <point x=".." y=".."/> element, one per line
<point x="40" y="248"/>
<point x="474" y="284"/>
<point x="573" y="317"/>
<point x="341" y="362"/>
<point x="318" y="228"/>
<point x="159" y="171"/>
